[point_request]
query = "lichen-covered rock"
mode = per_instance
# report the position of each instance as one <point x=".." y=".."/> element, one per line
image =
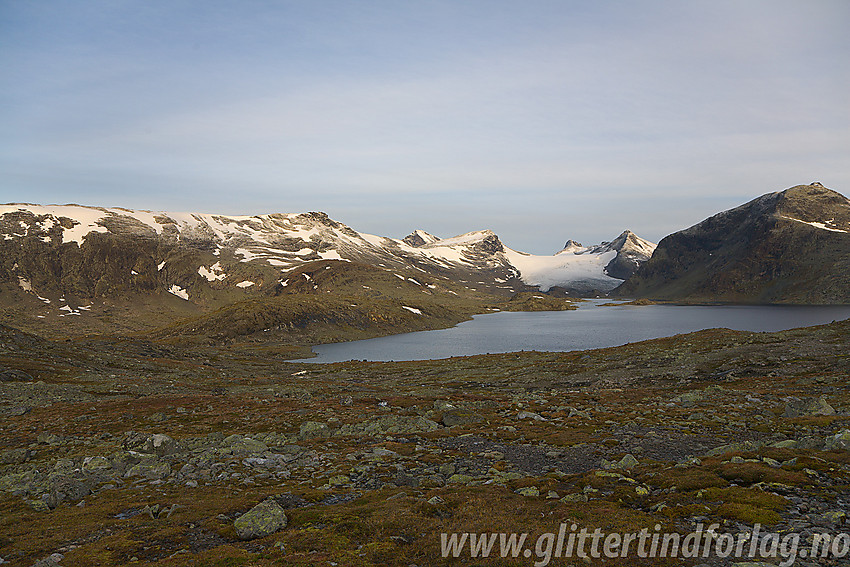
<point x="313" y="430"/>
<point x="241" y="446"/>
<point x="151" y="471"/>
<point x="96" y="464"/>
<point x="390" y="424"/>
<point x="627" y="462"/>
<point x="838" y="442"/>
<point x="460" y="417"/>
<point x="264" y="519"/>
<point x="66" y="489"/>
<point x="797" y="407"/>
<point x="576" y="497"/>
<point x="339" y="480"/>
<point x="161" y="445"/>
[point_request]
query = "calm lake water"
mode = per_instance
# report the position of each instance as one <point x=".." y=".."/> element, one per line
<point x="591" y="326"/>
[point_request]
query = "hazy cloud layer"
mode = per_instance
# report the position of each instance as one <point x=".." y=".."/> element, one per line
<point x="541" y="120"/>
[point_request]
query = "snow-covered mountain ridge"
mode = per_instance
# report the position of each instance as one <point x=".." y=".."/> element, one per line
<point x="285" y="241"/>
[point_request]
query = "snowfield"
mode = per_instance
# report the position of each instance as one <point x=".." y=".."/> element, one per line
<point x="551" y="271"/>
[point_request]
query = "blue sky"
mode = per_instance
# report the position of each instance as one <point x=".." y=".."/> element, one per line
<point x="542" y="120"/>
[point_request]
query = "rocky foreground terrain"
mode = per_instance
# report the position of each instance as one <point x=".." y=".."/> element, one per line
<point x="128" y="451"/>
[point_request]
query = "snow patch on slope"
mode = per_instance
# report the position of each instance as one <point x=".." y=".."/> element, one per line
<point x="179" y="292"/>
<point x="213" y="273"/>
<point x="820" y="225"/>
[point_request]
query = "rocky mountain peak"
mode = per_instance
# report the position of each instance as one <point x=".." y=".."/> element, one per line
<point x="419" y="238"/>
<point x="572" y="246"/>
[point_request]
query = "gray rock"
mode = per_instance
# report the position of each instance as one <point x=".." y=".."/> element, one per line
<point x="66" y="488"/>
<point x="313" y="430"/>
<point x="264" y="519"/>
<point x="14" y="375"/>
<point x="161" y="445"/>
<point x="241" y="446"/>
<point x="530" y="415"/>
<point x="838" y="442"/>
<point x="797" y="407"/>
<point x="735" y="448"/>
<point x="96" y="464"/>
<point x="460" y="417"/>
<point x="390" y="424"/>
<point x="151" y="471"/>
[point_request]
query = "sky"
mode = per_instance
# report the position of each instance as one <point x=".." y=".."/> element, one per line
<point x="542" y="120"/>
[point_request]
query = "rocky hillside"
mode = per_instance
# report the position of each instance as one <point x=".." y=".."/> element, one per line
<point x="791" y="246"/>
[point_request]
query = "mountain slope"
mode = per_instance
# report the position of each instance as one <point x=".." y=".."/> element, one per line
<point x="791" y="246"/>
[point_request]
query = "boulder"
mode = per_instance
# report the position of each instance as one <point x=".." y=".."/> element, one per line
<point x="313" y="430"/>
<point x="838" y="442"/>
<point x="264" y="519"/>
<point x="627" y="462"/>
<point x="66" y="489"/>
<point x="241" y="446"/>
<point x="460" y="417"/>
<point x="151" y="471"/>
<point x="160" y="445"/>
<point x="96" y="464"/>
<point x="390" y="424"/>
<point x="14" y="375"/>
<point x="805" y="407"/>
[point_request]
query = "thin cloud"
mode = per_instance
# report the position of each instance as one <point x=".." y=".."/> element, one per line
<point x="645" y="113"/>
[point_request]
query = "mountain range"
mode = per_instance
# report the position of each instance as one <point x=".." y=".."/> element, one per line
<point x="91" y="252"/>
<point x="132" y="270"/>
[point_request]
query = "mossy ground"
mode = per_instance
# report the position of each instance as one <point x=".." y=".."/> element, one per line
<point x="660" y="400"/>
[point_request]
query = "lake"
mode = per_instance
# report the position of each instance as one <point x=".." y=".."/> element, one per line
<point x="590" y="326"/>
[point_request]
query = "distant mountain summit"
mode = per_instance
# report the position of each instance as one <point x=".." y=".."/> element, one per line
<point x="791" y="246"/>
